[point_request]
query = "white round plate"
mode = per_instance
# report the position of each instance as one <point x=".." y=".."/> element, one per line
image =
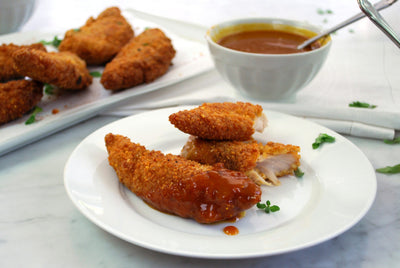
<point x="336" y="191"/>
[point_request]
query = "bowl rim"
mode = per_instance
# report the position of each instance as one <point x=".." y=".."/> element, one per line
<point x="271" y="20"/>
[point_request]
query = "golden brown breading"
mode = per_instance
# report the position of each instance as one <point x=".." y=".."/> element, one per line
<point x="221" y="121"/>
<point x="175" y="185"/>
<point x="99" y="40"/>
<point x="7" y="70"/>
<point x="62" y="69"/>
<point x="275" y="149"/>
<point x="262" y="163"/>
<point x="145" y="58"/>
<point x="18" y="97"/>
<point x="235" y="155"/>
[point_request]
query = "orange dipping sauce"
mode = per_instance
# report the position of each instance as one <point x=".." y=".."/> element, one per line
<point x="266" y="42"/>
<point x="231" y="230"/>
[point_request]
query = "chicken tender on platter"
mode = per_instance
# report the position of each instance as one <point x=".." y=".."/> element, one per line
<point x="7" y="70"/>
<point x="221" y="121"/>
<point x="99" y="40"/>
<point x="18" y="97"/>
<point x="182" y="187"/>
<point x="262" y="163"/>
<point x="145" y="58"/>
<point x="62" y="69"/>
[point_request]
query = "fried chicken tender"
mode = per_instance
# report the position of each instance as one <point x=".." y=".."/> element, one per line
<point x="182" y="187"/>
<point x="99" y="40"/>
<point x="262" y="163"/>
<point x="145" y="58"/>
<point x="7" y="70"/>
<point x="221" y="121"/>
<point x="18" y="97"/>
<point x="62" y="69"/>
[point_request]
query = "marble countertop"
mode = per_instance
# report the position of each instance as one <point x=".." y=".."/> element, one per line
<point x="40" y="226"/>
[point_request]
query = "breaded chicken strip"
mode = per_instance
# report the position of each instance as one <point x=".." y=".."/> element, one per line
<point x="7" y="70"/>
<point x="99" y="40"/>
<point x="18" y="97"/>
<point x="175" y="185"/>
<point x="221" y="121"/>
<point x="63" y="69"/>
<point x="262" y="163"/>
<point x="145" y="58"/>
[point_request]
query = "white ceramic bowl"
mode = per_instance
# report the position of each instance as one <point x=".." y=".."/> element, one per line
<point x="266" y="77"/>
<point x="14" y="14"/>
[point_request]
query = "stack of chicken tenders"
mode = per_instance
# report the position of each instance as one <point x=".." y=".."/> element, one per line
<point x="222" y="133"/>
<point x="218" y="173"/>
<point x="106" y="40"/>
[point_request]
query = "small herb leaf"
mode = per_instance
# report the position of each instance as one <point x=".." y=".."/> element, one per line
<point x="32" y="118"/>
<point x="394" y="141"/>
<point x="274" y="208"/>
<point x="95" y="74"/>
<point x="261" y="205"/>
<point x="322" y="138"/>
<point x="298" y="173"/>
<point x="389" y="169"/>
<point x="359" y="104"/>
<point x="55" y="42"/>
<point x="48" y="89"/>
<point x="267" y="207"/>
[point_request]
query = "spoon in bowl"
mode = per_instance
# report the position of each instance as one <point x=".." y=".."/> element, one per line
<point x="378" y="6"/>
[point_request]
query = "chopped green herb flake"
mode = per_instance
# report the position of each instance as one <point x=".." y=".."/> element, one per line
<point x="320" y="11"/>
<point x="389" y="169"/>
<point x="145" y="44"/>
<point x="359" y="104"/>
<point x="394" y="141"/>
<point x="95" y="74"/>
<point x="77" y="30"/>
<point x="274" y="208"/>
<point x="48" y="89"/>
<point x="55" y="42"/>
<point x="32" y="118"/>
<point x="322" y="138"/>
<point x="267" y="207"/>
<point x="298" y="173"/>
<point x="261" y="206"/>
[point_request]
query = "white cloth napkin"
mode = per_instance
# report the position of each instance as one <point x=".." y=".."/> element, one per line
<point x="356" y="70"/>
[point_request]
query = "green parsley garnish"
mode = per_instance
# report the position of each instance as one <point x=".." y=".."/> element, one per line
<point x="145" y="44"/>
<point x="321" y="11"/>
<point x="95" y="74"/>
<point x="267" y="207"/>
<point x="77" y="30"/>
<point x="321" y="139"/>
<point x="48" y="89"/>
<point x="32" y="118"/>
<point x="359" y="104"/>
<point x="298" y="173"/>
<point x="55" y="42"/>
<point x="394" y="141"/>
<point x="389" y="169"/>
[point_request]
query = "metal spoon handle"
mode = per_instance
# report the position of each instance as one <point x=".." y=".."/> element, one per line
<point x="378" y="6"/>
<point x="378" y="20"/>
